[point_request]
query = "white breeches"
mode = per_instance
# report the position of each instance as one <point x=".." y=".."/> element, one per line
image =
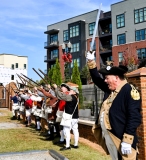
<point x="66" y="131"/>
<point x="28" y="112"/>
<point x="15" y="107"/>
<point x="109" y="143"/>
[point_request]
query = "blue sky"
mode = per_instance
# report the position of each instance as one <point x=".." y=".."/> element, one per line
<point x="22" y="25"/>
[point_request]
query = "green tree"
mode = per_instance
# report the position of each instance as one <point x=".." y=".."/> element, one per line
<point x="50" y="74"/>
<point x="56" y="77"/>
<point x="77" y="80"/>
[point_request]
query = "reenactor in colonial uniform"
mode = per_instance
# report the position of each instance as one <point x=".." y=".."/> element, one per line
<point x="51" y="108"/>
<point x="71" y="108"/>
<point x="119" y="115"/>
<point x="15" y="106"/>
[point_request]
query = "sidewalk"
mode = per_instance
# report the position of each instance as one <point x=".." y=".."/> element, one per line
<point x="31" y="155"/>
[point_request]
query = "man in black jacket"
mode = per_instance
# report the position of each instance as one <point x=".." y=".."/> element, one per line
<point x="120" y="111"/>
<point x="71" y="107"/>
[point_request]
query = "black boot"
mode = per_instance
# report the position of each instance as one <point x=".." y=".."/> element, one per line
<point x="18" y="118"/>
<point x="13" y="118"/>
<point x="51" y="128"/>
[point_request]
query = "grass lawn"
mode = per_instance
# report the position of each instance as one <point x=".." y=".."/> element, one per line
<point x="26" y="139"/>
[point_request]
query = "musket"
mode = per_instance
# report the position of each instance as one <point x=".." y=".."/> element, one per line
<point x="12" y="89"/>
<point x="26" y="85"/>
<point x="46" y="76"/>
<point x="31" y="80"/>
<point x="40" y="76"/>
<point x="26" y="81"/>
<point x="20" y="78"/>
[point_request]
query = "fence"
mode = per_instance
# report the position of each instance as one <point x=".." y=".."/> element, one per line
<point x="92" y="98"/>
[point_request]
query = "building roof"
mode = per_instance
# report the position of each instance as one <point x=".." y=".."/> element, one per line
<point x="12" y="54"/>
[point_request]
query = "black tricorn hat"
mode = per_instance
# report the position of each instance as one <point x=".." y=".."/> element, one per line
<point x="120" y="70"/>
<point x="66" y="86"/>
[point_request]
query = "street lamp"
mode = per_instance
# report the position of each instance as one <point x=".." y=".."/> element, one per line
<point x="67" y="58"/>
<point x="66" y="47"/>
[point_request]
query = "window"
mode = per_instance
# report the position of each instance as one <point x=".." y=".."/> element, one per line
<point x="120" y="21"/>
<point x="24" y="66"/>
<point x="141" y="53"/>
<point x="74" y="31"/>
<point x="120" y="54"/>
<point x="140" y="35"/>
<point x="73" y="61"/>
<point x="12" y="77"/>
<point x="121" y="38"/>
<point x="140" y="15"/>
<point x="65" y="35"/>
<point x="110" y="58"/>
<point x="54" y="54"/>
<point x="75" y="47"/>
<point x="91" y="28"/>
<point x="16" y="65"/>
<point x="12" y="66"/>
<point x="54" y="38"/>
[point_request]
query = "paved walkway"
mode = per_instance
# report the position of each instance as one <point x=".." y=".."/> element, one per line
<point x="32" y="155"/>
<point x="28" y="155"/>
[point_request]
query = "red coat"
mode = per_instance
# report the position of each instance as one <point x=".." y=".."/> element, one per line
<point x="28" y="103"/>
<point x="61" y="104"/>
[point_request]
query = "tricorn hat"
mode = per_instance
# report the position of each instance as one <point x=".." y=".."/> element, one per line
<point x="66" y="86"/>
<point x="75" y="89"/>
<point x="109" y="70"/>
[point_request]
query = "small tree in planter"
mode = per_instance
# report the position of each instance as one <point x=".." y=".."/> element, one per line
<point x="85" y="75"/>
<point x="130" y="60"/>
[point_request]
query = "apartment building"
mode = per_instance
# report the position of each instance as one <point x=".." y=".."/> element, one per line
<point x="122" y="28"/>
<point x="10" y="66"/>
<point x="128" y="28"/>
<point x="79" y="31"/>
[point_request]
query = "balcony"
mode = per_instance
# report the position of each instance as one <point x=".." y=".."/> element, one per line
<point x="53" y="58"/>
<point x="105" y="32"/>
<point x="105" y="16"/>
<point x="105" y="49"/>
<point x="52" y="31"/>
<point x="53" y="44"/>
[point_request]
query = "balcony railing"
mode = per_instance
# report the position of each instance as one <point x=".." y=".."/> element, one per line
<point x="45" y="58"/>
<point x="51" y="44"/>
<point x="54" y="56"/>
<point x="105" y="32"/>
<point x="105" y="48"/>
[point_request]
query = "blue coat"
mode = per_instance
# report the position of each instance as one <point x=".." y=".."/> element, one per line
<point x="124" y="114"/>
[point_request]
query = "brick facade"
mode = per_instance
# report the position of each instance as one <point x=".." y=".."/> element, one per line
<point x="131" y="46"/>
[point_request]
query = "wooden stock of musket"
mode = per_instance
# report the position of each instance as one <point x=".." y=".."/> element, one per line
<point x="41" y="76"/>
<point x="20" y="78"/>
<point x="48" y="78"/>
<point x="31" y="80"/>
